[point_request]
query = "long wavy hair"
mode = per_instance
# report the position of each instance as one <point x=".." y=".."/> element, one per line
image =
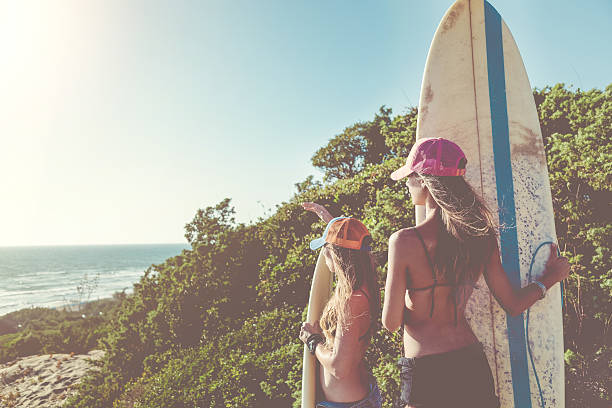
<point x="353" y="268"/>
<point x="468" y="230"/>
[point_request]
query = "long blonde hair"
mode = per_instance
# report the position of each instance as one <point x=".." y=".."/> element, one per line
<point x="353" y="268"/>
<point x="468" y="230"/>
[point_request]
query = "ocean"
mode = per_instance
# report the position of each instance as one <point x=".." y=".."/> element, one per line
<point x="49" y="276"/>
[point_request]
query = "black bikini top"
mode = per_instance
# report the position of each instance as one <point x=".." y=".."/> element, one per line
<point x="435" y="283"/>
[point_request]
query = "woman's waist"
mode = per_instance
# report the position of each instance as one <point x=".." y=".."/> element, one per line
<point x="352" y="387"/>
<point x="467" y="353"/>
<point x="431" y="338"/>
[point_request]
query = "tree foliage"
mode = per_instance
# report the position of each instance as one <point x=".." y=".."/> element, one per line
<point x="355" y="148"/>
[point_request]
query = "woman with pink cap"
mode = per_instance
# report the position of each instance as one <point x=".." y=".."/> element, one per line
<point x="432" y="270"/>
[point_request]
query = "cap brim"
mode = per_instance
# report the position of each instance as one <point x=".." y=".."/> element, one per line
<point x="317" y="243"/>
<point x="400" y="173"/>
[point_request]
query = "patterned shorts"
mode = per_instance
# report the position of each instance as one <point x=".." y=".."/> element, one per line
<point x="372" y="400"/>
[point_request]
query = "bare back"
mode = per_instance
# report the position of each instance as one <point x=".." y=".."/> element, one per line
<point x="351" y="344"/>
<point x="433" y="318"/>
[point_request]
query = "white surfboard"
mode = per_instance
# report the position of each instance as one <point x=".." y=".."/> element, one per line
<point x="475" y="92"/>
<point x="320" y="293"/>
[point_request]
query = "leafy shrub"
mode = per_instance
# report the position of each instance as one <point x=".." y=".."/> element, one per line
<point x="43" y="330"/>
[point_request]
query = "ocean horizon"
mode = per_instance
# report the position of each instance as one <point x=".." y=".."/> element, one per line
<point x="51" y="275"/>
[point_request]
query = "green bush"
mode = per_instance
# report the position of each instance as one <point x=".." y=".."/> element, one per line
<point x="43" y="330"/>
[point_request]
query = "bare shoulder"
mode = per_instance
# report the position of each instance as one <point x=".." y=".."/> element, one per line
<point x="404" y="240"/>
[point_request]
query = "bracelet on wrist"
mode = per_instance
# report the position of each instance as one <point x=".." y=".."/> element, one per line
<point x="313" y="341"/>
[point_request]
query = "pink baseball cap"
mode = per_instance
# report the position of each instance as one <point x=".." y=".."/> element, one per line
<point x="435" y="156"/>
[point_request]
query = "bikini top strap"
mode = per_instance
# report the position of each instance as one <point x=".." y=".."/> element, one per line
<point x="433" y="273"/>
<point x="364" y="293"/>
<point x="431" y="265"/>
<point x="371" y="321"/>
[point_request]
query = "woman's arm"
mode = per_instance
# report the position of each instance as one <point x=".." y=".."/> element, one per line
<point x="516" y="301"/>
<point x="395" y="285"/>
<point x="319" y="210"/>
<point x="347" y="352"/>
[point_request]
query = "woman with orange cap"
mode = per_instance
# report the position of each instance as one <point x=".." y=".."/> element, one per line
<point x="341" y="337"/>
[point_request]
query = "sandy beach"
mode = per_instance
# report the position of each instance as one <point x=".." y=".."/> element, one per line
<point x="43" y="380"/>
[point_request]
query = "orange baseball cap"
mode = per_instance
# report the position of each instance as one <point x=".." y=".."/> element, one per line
<point x="345" y="232"/>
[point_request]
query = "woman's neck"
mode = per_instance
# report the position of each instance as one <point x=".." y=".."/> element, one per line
<point x="431" y="209"/>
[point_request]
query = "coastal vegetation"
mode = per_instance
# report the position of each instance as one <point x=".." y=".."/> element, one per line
<point x="217" y="325"/>
<point x="66" y="330"/>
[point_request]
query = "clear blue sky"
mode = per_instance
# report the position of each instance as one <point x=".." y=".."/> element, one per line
<point x="120" y="119"/>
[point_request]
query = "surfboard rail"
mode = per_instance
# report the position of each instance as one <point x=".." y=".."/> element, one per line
<point x="320" y="292"/>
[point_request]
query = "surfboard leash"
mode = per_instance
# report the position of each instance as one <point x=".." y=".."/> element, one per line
<point x="535" y="371"/>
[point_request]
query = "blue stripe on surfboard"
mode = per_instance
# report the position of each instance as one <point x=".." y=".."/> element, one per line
<point x="505" y="199"/>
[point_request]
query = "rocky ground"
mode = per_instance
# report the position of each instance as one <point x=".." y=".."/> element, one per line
<point x="43" y="380"/>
